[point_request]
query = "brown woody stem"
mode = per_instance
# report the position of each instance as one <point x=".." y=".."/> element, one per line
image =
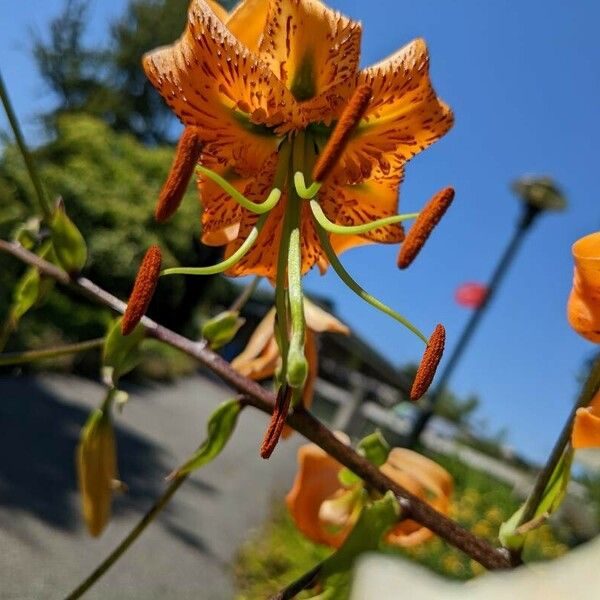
<point x="300" y="420"/>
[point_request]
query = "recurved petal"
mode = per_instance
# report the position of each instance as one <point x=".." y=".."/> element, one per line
<point x="319" y="320"/>
<point x="311" y="49"/>
<point x="214" y="83"/>
<point x="586" y="428"/>
<point x="404" y="117"/>
<point x="360" y="203"/>
<point x="316" y="481"/>
<point x="247" y="22"/>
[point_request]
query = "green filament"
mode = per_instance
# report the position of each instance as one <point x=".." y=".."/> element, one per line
<point x="227" y="263"/>
<point x="332" y="227"/>
<point x="255" y="207"/>
<point x="357" y="289"/>
<point x="306" y="193"/>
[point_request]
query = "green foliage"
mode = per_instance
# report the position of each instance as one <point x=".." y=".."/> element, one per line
<point x="67" y="241"/>
<point x="219" y="428"/>
<point x="109" y="183"/>
<point x="121" y="352"/>
<point x="279" y="553"/>
<point x="336" y="572"/>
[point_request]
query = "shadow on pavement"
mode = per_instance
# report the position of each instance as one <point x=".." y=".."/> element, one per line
<point x="39" y="434"/>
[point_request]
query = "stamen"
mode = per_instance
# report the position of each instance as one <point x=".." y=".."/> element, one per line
<point x="143" y="290"/>
<point x="332" y="227"/>
<point x="227" y="263"/>
<point x="186" y="156"/>
<point x="306" y="193"/>
<point x="421" y="230"/>
<point x="336" y="144"/>
<point x="259" y="208"/>
<point x="429" y="363"/>
<point x="357" y="289"/>
<point x="280" y="412"/>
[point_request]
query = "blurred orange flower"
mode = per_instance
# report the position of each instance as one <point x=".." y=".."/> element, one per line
<point x="583" y="309"/>
<point x="325" y="511"/>
<point x="586" y="428"/>
<point x="253" y="81"/>
<point x="260" y="358"/>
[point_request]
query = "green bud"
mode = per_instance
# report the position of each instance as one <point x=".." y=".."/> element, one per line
<point x="121" y="353"/>
<point x="97" y="470"/>
<point x="69" y="245"/>
<point x="374" y="448"/>
<point x="220" y="330"/>
<point x="297" y="368"/>
<point x="27" y="233"/>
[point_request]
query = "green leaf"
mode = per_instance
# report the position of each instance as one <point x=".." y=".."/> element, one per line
<point x="374" y="521"/>
<point x="374" y="448"/>
<point x="347" y="478"/>
<point x="219" y="429"/>
<point x="220" y="330"/>
<point x="121" y="353"/>
<point x="26" y="293"/>
<point x="69" y="245"/>
<point x="554" y="494"/>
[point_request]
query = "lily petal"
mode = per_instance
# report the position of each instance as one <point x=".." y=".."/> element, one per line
<point x="247" y="22"/>
<point x="311" y="49"/>
<point x="214" y="83"/>
<point x="586" y="428"/>
<point x="360" y="203"/>
<point x="404" y="117"/>
<point x="319" y="320"/>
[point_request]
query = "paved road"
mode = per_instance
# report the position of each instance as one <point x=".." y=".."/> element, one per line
<point x="187" y="553"/>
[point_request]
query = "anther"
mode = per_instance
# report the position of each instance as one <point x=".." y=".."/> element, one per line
<point x="184" y="163"/>
<point x="280" y="412"/>
<point x="349" y="119"/>
<point x="429" y="363"/>
<point x="143" y="290"/>
<point x="421" y="230"/>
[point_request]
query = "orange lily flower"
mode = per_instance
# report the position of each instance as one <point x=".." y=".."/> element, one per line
<point x="277" y="73"/>
<point x="261" y="357"/>
<point x="583" y="309"/>
<point x="325" y="511"/>
<point x="586" y="428"/>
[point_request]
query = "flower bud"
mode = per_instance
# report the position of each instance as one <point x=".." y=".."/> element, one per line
<point x="220" y="330"/>
<point x="69" y="246"/>
<point x="97" y="470"/>
<point x="297" y="369"/>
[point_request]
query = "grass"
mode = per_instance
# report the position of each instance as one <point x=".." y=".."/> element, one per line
<point x="278" y="554"/>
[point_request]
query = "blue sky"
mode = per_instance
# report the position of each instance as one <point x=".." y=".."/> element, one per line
<point x="523" y="80"/>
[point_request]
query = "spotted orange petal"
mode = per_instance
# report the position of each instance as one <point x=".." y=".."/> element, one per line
<point x="214" y="83"/>
<point x="262" y="257"/>
<point x="247" y="22"/>
<point x="312" y="50"/>
<point x="360" y="203"/>
<point x="404" y="116"/>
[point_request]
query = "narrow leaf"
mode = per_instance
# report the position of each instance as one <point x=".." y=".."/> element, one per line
<point x="219" y="429"/>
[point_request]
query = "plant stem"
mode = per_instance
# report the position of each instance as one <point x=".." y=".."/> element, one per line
<point x="18" y="358"/>
<point x="300" y="420"/>
<point x="305" y="582"/>
<point x="43" y="204"/>
<point x="110" y="560"/>
<point x="245" y="295"/>
<point x="589" y="390"/>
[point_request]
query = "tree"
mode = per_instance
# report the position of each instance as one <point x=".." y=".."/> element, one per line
<point x="109" y="82"/>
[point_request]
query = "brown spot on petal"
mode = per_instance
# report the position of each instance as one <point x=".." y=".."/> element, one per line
<point x="429" y="363"/>
<point x="421" y="230"/>
<point x="280" y="412"/>
<point x="143" y="290"/>
<point x="336" y="144"/>
<point x="184" y="163"/>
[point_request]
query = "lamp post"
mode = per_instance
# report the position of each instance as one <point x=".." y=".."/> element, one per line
<point x="538" y="195"/>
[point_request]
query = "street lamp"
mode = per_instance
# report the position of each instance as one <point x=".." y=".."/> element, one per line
<point x="538" y="195"/>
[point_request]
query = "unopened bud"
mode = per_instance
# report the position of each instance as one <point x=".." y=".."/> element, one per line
<point x="97" y="470"/>
<point x="220" y="330"/>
